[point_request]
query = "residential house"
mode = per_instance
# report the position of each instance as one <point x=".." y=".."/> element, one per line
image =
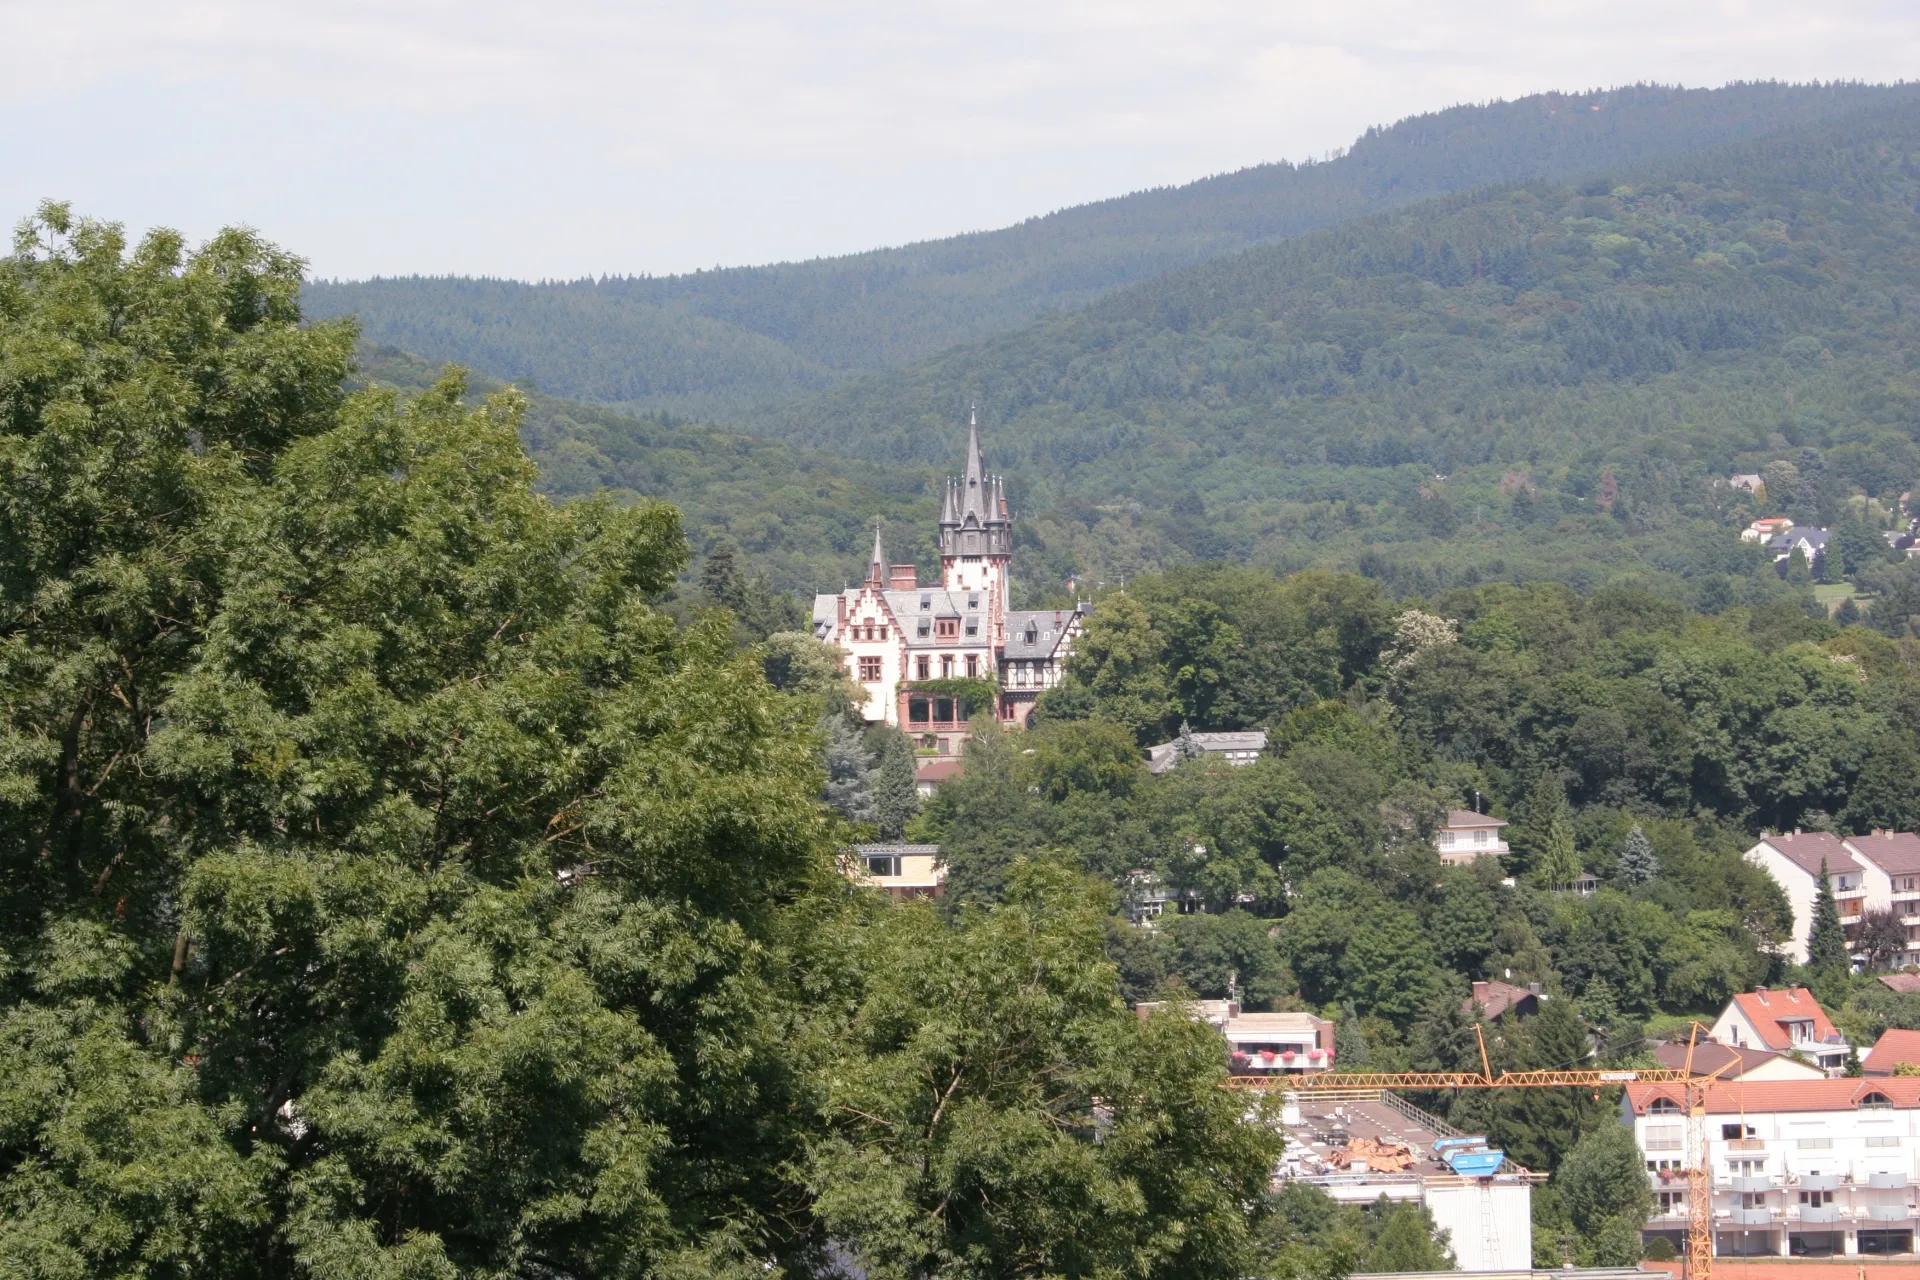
<point x="1767" y="529"/>
<point x="1799" y="1167"/>
<point x="1466" y="836"/>
<point x="1495" y="1000"/>
<point x="1894" y="1048"/>
<point x="1785" y="1020"/>
<point x="1794" y="860"/>
<point x="1892" y="879"/>
<point x="1877" y="871"/>
<point x="1290" y="1043"/>
<point x="1809" y="541"/>
<point x="903" y="870"/>
<point x="1730" y="1062"/>
<point x="1237" y="748"/>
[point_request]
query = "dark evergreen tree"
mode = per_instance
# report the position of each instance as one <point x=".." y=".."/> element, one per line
<point x="1826" y="939"/>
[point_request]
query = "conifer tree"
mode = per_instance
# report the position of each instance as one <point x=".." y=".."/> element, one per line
<point x="849" y="772"/>
<point x="1827" y="939"/>
<point x="1638" y="862"/>
<point x="896" y="794"/>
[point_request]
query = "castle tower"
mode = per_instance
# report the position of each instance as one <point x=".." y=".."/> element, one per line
<point x="976" y="536"/>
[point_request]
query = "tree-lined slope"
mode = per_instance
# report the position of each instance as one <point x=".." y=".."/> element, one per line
<point x="716" y="342"/>
<point x="1550" y="376"/>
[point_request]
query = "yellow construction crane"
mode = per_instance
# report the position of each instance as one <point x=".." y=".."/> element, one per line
<point x="1699" y="1260"/>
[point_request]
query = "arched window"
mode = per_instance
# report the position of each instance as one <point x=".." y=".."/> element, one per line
<point x="1663" y="1107"/>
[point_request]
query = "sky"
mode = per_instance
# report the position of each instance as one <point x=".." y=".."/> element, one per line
<point x="577" y="137"/>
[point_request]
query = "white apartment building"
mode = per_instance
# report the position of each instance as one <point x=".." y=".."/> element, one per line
<point x="1872" y="872"/>
<point x="1800" y="1167"/>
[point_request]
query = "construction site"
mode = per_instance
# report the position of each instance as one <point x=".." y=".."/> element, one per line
<point x="1359" y="1145"/>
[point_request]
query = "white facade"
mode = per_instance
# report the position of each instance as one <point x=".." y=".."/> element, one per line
<point x="1799" y="1167"/>
<point x="1873" y="872"/>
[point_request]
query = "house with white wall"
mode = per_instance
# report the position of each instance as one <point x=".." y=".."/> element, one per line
<point x="1785" y="1020"/>
<point x="1799" y="1167"/>
<point x="1794" y="859"/>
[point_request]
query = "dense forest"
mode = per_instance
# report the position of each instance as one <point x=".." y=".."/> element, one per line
<point x="714" y="343"/>
<point x="1528" y="382"/>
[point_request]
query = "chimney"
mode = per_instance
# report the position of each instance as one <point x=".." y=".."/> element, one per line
<point x="904" y="577"/>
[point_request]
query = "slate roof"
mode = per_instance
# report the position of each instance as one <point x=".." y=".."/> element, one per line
<point x="1891" y="1049"/>
<point x="1165" y="755"/>
<point x="1767" y="1009"/>
<point x="1735" y="1096"/>
<point x="1805" y="849"/>
<point x="1049" y="629"/>
<point x="1895" y="852"/>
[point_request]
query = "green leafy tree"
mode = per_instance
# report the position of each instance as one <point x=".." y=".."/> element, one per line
<point x="1827" y="951"/>
<point x="385" y="881"/>
<point x="965" y="1137"/>
<point x="1638" y="862"/>
<point x="1119" y="661"/>
<point x="1604" y="1177"/>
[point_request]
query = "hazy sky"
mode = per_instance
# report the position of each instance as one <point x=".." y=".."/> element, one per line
<point x="574" y="137"/>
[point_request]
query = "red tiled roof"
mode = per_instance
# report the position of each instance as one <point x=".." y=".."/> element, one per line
<point x="1895" y="852"/>
<point x="1806" y="849"/>
<point x="1891" y="1049"/>
<point x="1711" y="1055"/>
<point x="1783" y="1095"/>
<point x="1458" y="819"/>
<point x="1900" y="981"/>
<point x="1766" y="1009"/>
<point x="938" y="769"/>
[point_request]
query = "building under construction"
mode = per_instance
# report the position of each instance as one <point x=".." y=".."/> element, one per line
<point x="1360" y="1145"/>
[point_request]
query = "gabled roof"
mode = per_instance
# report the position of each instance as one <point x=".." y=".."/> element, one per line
<point x="1735" y="1096"/>
<point x="1895" y="852"/>
<point x="1768" y="1009"/>
<point x="1710" y="1056"/>
<point x="1495" y="998"/>
<point x="1891" y="1049"/>
<point x="1805" y="849"/>
<point x="1467" y="820"/>
<point x="1049" y="627"/>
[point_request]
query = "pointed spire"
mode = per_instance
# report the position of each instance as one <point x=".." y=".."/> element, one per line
<point x="973" y="496"/>
<point x="877" y="570"/>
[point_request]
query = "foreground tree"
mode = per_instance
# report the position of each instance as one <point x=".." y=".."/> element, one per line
<point x="1001" y="1112"/>
<point x="387" y="889"/>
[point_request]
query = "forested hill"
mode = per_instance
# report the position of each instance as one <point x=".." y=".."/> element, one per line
<point x="1533" y="380"/>
<point x="714" y="343"/>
